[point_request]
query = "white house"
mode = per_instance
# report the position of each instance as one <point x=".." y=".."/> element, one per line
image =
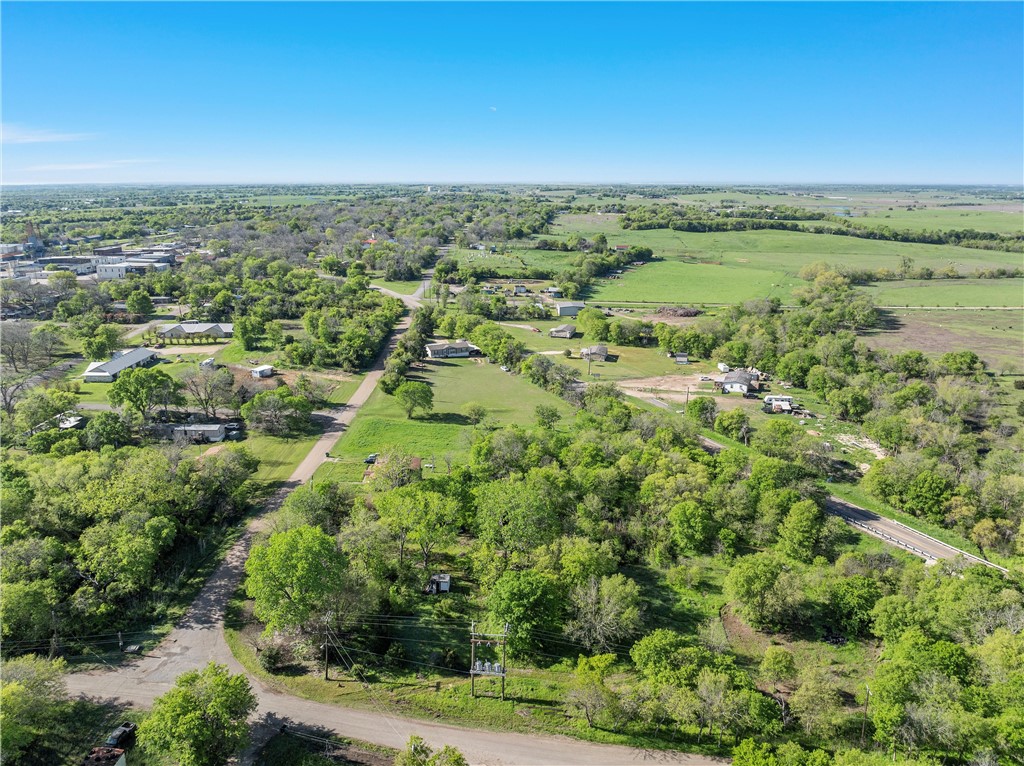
<point x="450" y="349"/>
<point x="598" y="352"/>
<point x="107" y="372"/>
<point x="569" y="309"/>
<point x="739" y="381"/>
<point x="263" y="371"/>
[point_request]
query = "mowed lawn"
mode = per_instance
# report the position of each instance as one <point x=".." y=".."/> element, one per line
<point x="382" y="423"/>
<point x="279" y="456"/>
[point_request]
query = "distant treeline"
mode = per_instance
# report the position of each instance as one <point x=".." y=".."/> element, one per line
<point x="785" y="218"/>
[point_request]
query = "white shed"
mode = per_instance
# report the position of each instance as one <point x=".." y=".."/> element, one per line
<point x="263" y="371"/>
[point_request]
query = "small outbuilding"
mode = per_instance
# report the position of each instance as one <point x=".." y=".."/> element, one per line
<point x="438" y="583"/>
<point x="682" y="358"/>
<point x="569" y="309"/>
<point x="563" y="331"/>
<point x="597" y="353"/>
<point x="263" y="371"/>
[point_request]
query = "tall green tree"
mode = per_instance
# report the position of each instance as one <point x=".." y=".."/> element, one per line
<point x="203" y="720"/>
<point x="294" y="577"/>
<point x="142" y="389"/>
<point x="415" y="395"/>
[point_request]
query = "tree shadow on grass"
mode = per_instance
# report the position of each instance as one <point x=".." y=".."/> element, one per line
<point x="887" y="322"/>
<point x="447" y="418"/>
<point x="76" y="728"/>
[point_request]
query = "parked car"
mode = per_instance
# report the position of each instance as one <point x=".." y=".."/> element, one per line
<point x="705" y="377"/>
<point x="750" y="395"/>
<point x="371" y="458"/>
<point x="122" y="735"/>
<point x="504" y="368"/>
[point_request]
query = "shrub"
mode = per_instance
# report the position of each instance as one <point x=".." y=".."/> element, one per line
<point x="270" y="658"/>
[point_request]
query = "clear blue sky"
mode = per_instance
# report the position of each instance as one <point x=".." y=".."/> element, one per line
<point x="690" y="92"/>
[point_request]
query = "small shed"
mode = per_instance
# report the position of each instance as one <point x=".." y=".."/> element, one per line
<point x="263" y="371"/>
<point x="438" y="583"/>
<point x="722" y="366"/>
<point x="682" y="358"/>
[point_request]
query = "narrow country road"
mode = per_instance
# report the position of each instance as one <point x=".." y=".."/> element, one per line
<point x="199" y="638"/>
<point x="889" y="531"/>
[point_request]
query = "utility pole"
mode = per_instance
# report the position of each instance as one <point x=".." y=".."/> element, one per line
<point x="478" y="668"/>
<point x="864" y="721"/>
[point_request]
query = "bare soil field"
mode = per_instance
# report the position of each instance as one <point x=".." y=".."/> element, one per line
<point x="996" y="336"/>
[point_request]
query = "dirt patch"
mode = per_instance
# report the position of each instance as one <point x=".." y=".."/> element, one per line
<point x="863" y="442"/>
<point x="214" y="449"/>
<point x="210" y="349"/>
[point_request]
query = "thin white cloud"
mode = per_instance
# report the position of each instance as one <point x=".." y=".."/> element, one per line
<point x="493" y="108"/>
<point x="19" y="134"/>
<point x="86" y="165"/>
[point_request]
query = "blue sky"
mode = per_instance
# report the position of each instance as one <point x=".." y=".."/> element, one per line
<point x="577" y="92"/>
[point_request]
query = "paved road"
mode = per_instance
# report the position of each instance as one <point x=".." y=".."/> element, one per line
<point x="869" y="522"/>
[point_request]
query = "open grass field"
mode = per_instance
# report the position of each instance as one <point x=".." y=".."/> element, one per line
<point x="406" y="287"/>
<point x="996" y="336"/>
<point x="381" y="422"/>
<point x="279" y="456"/>
<point x="728" y="267"/>
<point x="949" y="292"/>
<point x="514" y="260"/>
<point x="674" y="281"/>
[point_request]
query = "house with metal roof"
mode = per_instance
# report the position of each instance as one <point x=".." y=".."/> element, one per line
<point x="450" y="349"/>
<point x="107" y="372"/>
<point x="196" y="329"/>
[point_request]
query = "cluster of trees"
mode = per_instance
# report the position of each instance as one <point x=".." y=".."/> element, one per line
<point x="692" y="218"/>
<point x="96" y="540"/>
<point x="554" y="516"/>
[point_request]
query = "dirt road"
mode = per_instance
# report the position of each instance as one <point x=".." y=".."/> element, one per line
<point x="199" y="639"/>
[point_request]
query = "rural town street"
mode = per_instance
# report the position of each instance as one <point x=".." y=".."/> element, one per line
<point x="199" y="638"/>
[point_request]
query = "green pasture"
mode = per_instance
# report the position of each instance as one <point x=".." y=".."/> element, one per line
<point x="949" y="292"/>
<point x="381" y="422"/>
<point x="785" y="250"/>
<point x="945" y="219"/>
<point x="674" y="281"/>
